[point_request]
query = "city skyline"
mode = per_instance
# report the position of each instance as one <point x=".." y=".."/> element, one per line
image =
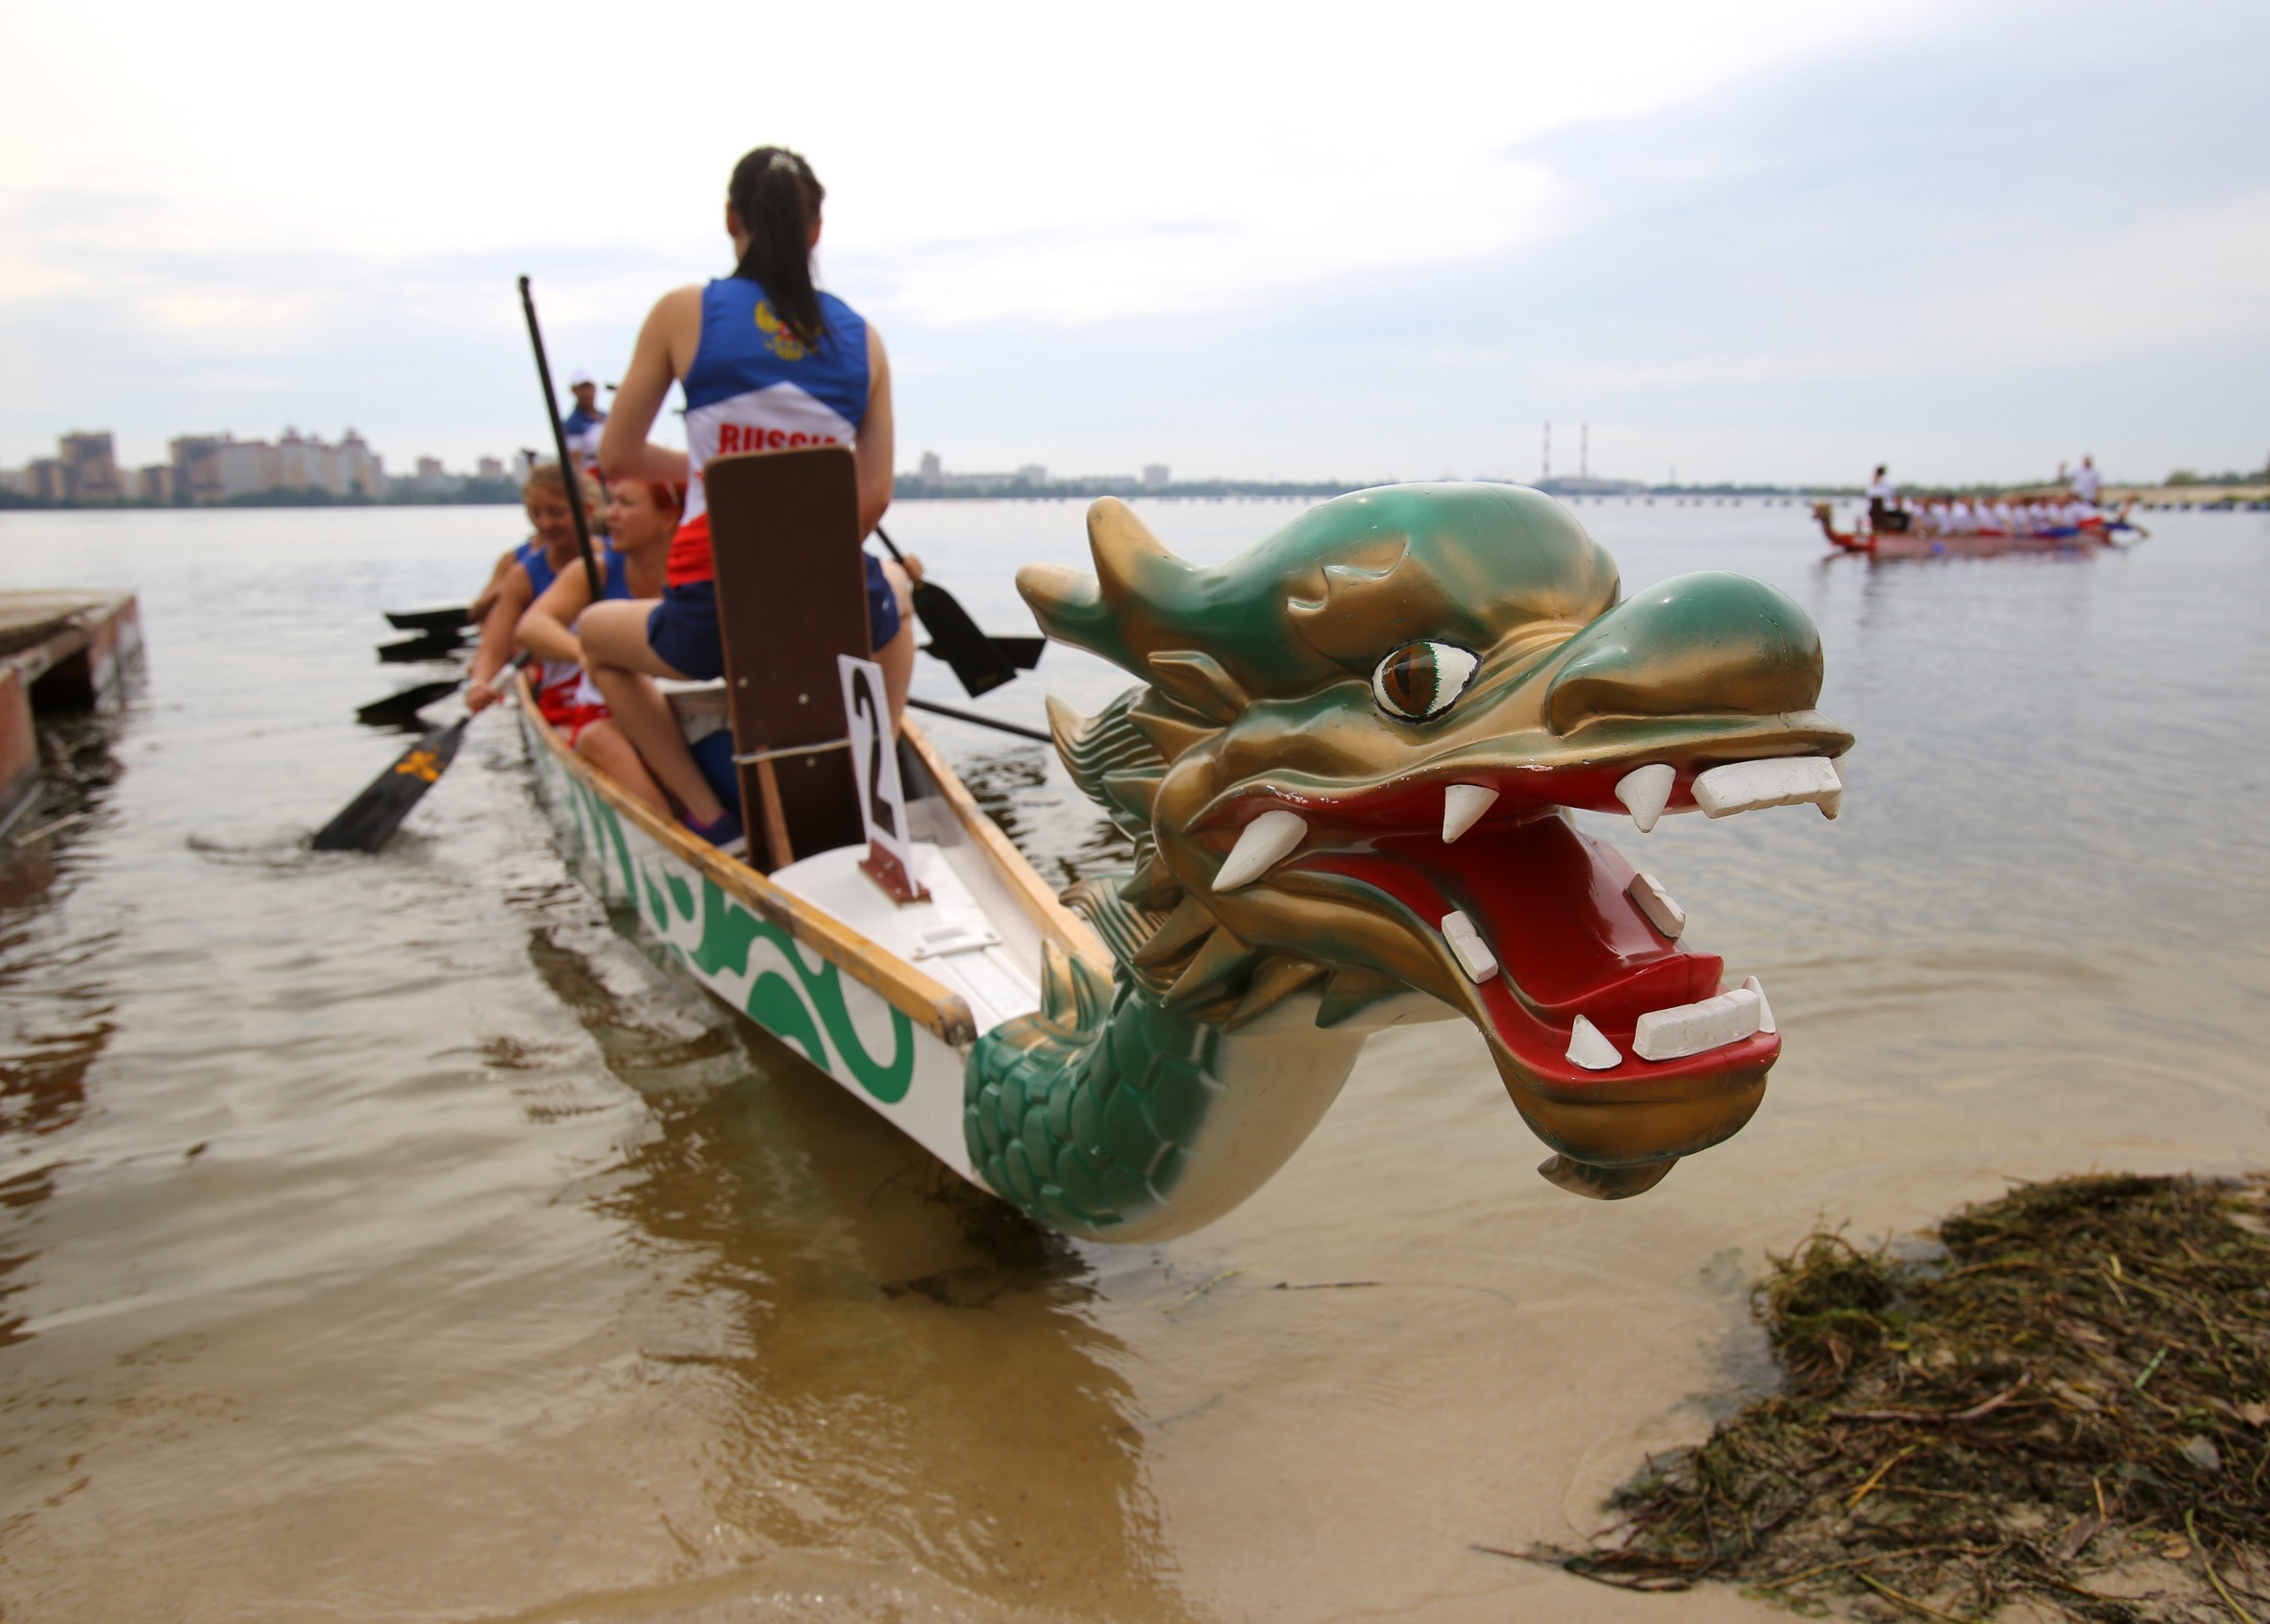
<point x="214" y="468"/>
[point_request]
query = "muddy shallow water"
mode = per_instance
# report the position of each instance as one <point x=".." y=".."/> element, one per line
<point x="397" y="1239"/>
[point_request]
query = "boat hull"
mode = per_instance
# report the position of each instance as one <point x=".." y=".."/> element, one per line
<point x="740" y="938"/>
<point x="1969" y="544"/>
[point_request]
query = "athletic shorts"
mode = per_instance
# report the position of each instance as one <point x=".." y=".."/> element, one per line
<point x="682" y="627"/>
<point x="883" y="605"/>
<point x="579" y="720"/>
<point x="683" y="630"/>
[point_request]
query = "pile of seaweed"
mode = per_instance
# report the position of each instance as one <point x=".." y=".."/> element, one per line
<point x="2066" y="1400"/>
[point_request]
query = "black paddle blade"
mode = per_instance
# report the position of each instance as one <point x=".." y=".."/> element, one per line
<point x="429" y="619"/>
<point x="955" y="639"/>
<point x="374" y="815"/>
<point x="397" y="709"/>
<point x="425" y="646"/>
<point x="1022" y="652"/>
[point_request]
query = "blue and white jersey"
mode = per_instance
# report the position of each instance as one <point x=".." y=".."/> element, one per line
<point x="582" y="430"/>
<point x="535" y="558"/>
<point x="755" y="386"/>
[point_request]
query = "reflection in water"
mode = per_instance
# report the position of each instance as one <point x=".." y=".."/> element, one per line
<point x="1059" y="830"/>
<point x="893" y="1363"/>
<point x="55" y="1030"/>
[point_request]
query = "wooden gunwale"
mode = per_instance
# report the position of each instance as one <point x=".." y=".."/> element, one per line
<point x="945" y="1014"/>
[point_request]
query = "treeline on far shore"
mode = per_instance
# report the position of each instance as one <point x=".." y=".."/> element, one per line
<point x="469" y="493"/>
<point x="911" y="487"/>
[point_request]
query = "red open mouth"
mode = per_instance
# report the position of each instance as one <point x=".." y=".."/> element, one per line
<point x="1557" y="911"/>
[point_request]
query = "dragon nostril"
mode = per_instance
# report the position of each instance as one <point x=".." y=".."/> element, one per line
<point x="1700" y="644"/>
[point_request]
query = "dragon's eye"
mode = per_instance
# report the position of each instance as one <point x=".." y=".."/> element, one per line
<point x="1418" y="681"/>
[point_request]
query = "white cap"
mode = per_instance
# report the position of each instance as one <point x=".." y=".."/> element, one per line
<point x="580" y="376"/>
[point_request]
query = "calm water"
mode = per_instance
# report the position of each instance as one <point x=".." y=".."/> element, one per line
<point x="395" y="1239"/>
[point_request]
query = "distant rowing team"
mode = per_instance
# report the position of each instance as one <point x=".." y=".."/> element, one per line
<point x="765" y="359"/>
<point x="1897" y="526"/>
<point x="1996" y="516"/>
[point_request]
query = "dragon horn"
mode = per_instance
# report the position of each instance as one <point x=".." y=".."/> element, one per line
<point x="1124" y="610"/>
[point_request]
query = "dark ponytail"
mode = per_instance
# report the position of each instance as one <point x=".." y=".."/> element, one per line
<point x="777" y="198"/>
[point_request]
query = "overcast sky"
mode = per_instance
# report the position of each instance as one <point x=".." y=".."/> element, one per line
<point x="1758" y="239"/>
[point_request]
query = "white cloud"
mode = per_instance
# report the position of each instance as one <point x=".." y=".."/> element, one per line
<point x="1038" y="161"/>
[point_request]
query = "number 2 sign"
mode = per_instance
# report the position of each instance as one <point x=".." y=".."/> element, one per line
<point x="875" y="765"/>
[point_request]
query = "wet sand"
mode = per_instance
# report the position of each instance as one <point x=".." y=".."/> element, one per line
<point x="399" y="1240"/>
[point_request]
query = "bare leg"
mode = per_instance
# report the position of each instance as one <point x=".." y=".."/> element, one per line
<point x="896" y="656"/>
<point x="615" y="652"/>
<point x="604" y="746"/>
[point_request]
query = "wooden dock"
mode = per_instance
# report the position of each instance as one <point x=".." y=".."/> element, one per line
<point x="58" y="650"/>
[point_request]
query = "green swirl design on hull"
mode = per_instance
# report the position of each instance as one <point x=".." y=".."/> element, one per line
<point x="809" y="1012"/>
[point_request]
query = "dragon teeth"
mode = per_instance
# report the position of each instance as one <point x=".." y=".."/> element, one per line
<point x="1684" y="1029"/>
<point x="1764" y="1010"/>
<point x="1467" y="946"/>
<point x="1645" y="791"/>
<point x="1267" y="841"/>
<point x="1746" y="786"/>
<point x="1648" y="895"/>
<point x="1463" y="806"/>
<point x="1591" y="1048"/>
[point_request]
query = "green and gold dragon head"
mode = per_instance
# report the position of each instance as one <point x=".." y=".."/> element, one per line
<point x="1345" y="778"/>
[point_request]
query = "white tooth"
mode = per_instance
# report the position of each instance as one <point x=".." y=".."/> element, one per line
<point x="1647" y="893"/>
<point x="1667" y="1033"/>
<point x="1745" y="787"/>
<point x="1644" y="790"/>
<point x="1591" y="1048"/>
<point x="1764" y="1009"/>
<point x="1267" y="841"/>
<point x="1467" y="946"/>
<point x="1463" y="806"/>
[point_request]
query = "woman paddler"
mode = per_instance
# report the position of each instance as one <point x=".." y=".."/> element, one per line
<point x="767" y="360"/>
<point x="642" y="517"/>
<point x="524" y="573"/>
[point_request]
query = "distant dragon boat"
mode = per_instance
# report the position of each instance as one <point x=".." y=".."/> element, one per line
<point x="2088" y="535"/>
<point x="1343" y="774"/>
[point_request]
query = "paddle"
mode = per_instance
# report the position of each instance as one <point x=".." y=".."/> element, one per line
<point x="568" y="469"/>
<point x="982" y="721"/>
<point x="372" y="817"/>
<point x="983" y="663"/>
<point x="423" y="649"/>
<point x="397" y="709"/>
<point x="429" y="621"/>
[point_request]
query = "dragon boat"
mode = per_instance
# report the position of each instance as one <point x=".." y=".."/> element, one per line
<point x="2085" y="536"/>
<point x="1345" y="768"/>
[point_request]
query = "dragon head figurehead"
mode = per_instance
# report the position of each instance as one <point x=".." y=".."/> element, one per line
<point x="1346" y="776"/>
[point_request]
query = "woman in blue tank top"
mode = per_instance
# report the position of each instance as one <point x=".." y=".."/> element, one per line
<point x="766" y="360"/>
<point x="524" y="573"/>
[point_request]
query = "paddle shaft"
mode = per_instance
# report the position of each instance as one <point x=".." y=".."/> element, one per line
<point x="571" y="475"/>
<point x="978" y="719"/>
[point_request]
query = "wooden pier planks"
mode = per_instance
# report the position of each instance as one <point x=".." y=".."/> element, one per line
<point x="58" y="650"/>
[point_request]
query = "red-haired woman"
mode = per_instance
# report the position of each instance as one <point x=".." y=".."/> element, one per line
<point x="642" y="517"/>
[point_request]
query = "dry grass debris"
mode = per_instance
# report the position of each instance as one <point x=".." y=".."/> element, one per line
<point x="2067" y="1408"/>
